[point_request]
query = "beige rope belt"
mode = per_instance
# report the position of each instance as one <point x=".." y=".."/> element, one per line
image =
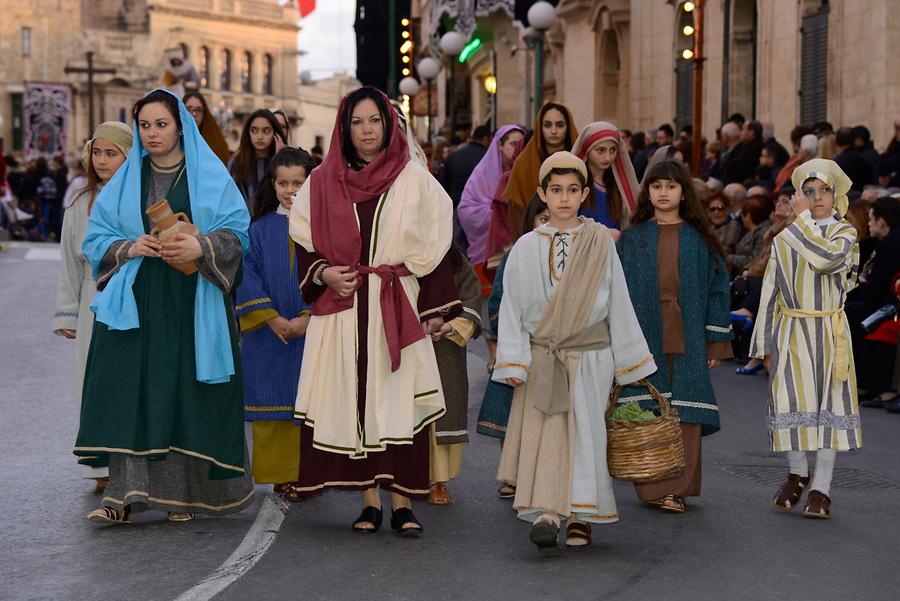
<point x="841" y="369"/>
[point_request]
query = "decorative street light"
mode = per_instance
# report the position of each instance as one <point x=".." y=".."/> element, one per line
<point x="541" y="16"/>
<point x="409" y="86"/>
<point x="452" y="43"/>
<point x="429" y="68"/>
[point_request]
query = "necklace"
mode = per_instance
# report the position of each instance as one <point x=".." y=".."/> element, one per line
<point x="166" y="168"/>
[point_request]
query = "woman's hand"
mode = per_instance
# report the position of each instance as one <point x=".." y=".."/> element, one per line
<point x="799" y="202"/>
<point x="514" y="382"/>
<point x="432" y="326"/>
<point x="145" y="246"/>
<point x="297" y="326"/>
<point x="341" y="279"/>
<point x="70" y="334"/>
<point x="184" y="248"/>
<point x="445" y="330"/>
<point x="280" y="327"/>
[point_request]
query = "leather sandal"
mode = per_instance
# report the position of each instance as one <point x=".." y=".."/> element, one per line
<point x="545" y="535"/>
<point x="100" y="484"/>
<point x="109" y="515"/>
<point x="818" y="505"/>
<point x="288" y="491"/>
<point x="178" y="516"/>
<point x="790" y="492"/>
<point x="371" y="515"/>
<point x="673" y="504"/>
<point x="402" y="516"/>
<point x="439" y="495"/>
<point x="578" y="534"/>
<point x="507" y="491"/>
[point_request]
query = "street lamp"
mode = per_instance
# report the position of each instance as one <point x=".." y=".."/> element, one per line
<point x="541" y="16"/>
<point x="452" y="43"/>
<point x="429" y="68"/>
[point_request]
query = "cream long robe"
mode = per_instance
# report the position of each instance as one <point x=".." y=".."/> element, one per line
<point x="533" y="272"/>
<point x="800" y="324"/>
<point x="74" y="295"/>
<point x="413" y="226"/>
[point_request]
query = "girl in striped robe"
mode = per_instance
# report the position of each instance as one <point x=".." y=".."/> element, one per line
<point x="802" y="333"/>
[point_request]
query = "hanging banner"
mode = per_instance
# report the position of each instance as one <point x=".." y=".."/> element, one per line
<point x="46" y="109"/>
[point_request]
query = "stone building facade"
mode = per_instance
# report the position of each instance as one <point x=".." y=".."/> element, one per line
<point x="783" y="61"/>
<point x="244" y="50"/>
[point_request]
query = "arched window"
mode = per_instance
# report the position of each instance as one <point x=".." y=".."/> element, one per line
<point x="225" y="78"/>
<point x="267" y="74"/>
<point x="204" y="67"/>
<point x="247" y="73"/>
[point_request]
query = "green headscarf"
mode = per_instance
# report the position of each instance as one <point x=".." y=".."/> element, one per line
<point x="829" y="172"/>
<point x="115" y="132"/>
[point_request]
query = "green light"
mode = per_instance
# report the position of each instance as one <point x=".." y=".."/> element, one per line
<point x="469" y="49"/>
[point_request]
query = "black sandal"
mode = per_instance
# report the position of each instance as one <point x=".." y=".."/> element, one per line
<point x="372" y="515"/>
<point x="545" y="535"/>
<point x="402" y="516"/>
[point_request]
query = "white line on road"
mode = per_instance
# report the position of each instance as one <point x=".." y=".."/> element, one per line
<point x="255" y="544"/>
<point x="43" y="254"/>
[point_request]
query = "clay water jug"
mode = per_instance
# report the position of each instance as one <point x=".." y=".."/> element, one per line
<point x="167" y="224"/>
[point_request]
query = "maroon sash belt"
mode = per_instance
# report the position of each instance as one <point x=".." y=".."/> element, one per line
<point x="401" y="323"/>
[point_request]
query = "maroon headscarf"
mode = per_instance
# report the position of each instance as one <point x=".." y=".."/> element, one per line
<point x="336" y="186"/>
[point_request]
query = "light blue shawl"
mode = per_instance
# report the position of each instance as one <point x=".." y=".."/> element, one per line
<point x="216" y="204"/>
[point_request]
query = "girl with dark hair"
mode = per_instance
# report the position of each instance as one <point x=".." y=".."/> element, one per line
<point x="614" y="186"/>
<point x="678" y="282"/>
<point x="554" y="130"/>
<point x="209" y="129"/>
<point x="273" y="320"/>
<point x="261" y="138"/>
<point x="103" y="154"/>
<point x="284" y="123"/>
<point x="755" y="219"/>
<point x="373" y="229"/>
<point x="163" y="396"/>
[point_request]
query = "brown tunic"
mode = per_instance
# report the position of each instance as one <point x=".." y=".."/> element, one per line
<point x="401" y="468"/>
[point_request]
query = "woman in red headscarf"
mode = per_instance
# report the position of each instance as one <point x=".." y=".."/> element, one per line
<point x="372" y="230"/>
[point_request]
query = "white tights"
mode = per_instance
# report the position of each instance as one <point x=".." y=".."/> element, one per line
<point x="825" y="459"/>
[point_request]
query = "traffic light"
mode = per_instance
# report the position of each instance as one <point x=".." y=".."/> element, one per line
<point x="406" y="46"/>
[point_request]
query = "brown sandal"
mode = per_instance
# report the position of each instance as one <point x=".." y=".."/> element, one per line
<point x="507" y="491"/>
<point x="818" y="505"/>
<point x="790" y="492"/>
<point x="673" y="504"/>
<point x="100" y="484"/>
<point x="578" y="535"/>
<point x="109" y="515"/>
<point x="288" y="491"/>
<point x="439" y="495"/>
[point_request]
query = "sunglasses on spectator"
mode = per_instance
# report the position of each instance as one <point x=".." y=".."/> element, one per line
<point x="716" y="209"/>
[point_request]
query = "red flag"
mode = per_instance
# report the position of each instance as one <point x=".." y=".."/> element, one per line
<point x="306" y="7"/>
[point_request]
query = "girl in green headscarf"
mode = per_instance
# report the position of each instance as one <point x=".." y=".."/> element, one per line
<point x="802" y="334"/>
<point x="102" y="156"/>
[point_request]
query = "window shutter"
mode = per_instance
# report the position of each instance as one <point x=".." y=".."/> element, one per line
<point x="684" y="92"/>
<point x="814" y="68"/>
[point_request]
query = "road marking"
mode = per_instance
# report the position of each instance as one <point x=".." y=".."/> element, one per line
<point x="43" y="254"/>
<point x="255" y="544"/>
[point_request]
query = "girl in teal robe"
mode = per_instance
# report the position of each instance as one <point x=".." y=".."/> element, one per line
<point x="679" y="287"/>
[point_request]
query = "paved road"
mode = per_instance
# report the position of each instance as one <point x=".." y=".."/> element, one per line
<point x="730" y="545"/>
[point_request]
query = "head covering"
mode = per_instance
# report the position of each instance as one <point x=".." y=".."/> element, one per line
<point x="415" y="151"/>
<point x="478" y="195"/>
<point x="499" y="237"/>
<point x="623" y="170"/>
<point x="810" y="143"/>
<point x="216" y="203"/>
<point x="562" y="160"/>
<point x="114" y="132"/>
<point x="829" y="172"/>
<point x="523" y="180"/>
<point x="335" y="187"/>
<point x="663" y="153"/>
<point x="211" y="132"/>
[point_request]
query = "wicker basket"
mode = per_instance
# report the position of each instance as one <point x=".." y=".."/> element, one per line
<point x="647" y="450"/>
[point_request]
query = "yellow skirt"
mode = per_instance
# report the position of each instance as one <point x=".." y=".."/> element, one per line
<point x="276" y="452"/>
<point x="445" y="459"/>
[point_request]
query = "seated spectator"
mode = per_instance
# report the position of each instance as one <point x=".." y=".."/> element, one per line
<point x="858" y="169"/>
<point x="755" y="219"/>
<point x="728" y="230"/>
<point x="710" y="159"/>
<point x="742" y="165"/>
<point x="779" y="153"/>
<point x="806" y="148"/>
<point x="858" y="216"/>
<point x="767" y="170"/>
<point x="730" y="135"/>
<point x="875" y="357"/>
<point x="735" y="194"/>
<point x="862" y="142"/>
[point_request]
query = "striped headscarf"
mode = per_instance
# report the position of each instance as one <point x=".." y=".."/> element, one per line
<point x="600" y="131"/>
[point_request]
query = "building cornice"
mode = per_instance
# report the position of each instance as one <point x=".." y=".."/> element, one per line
<point x="207" y="16"/>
